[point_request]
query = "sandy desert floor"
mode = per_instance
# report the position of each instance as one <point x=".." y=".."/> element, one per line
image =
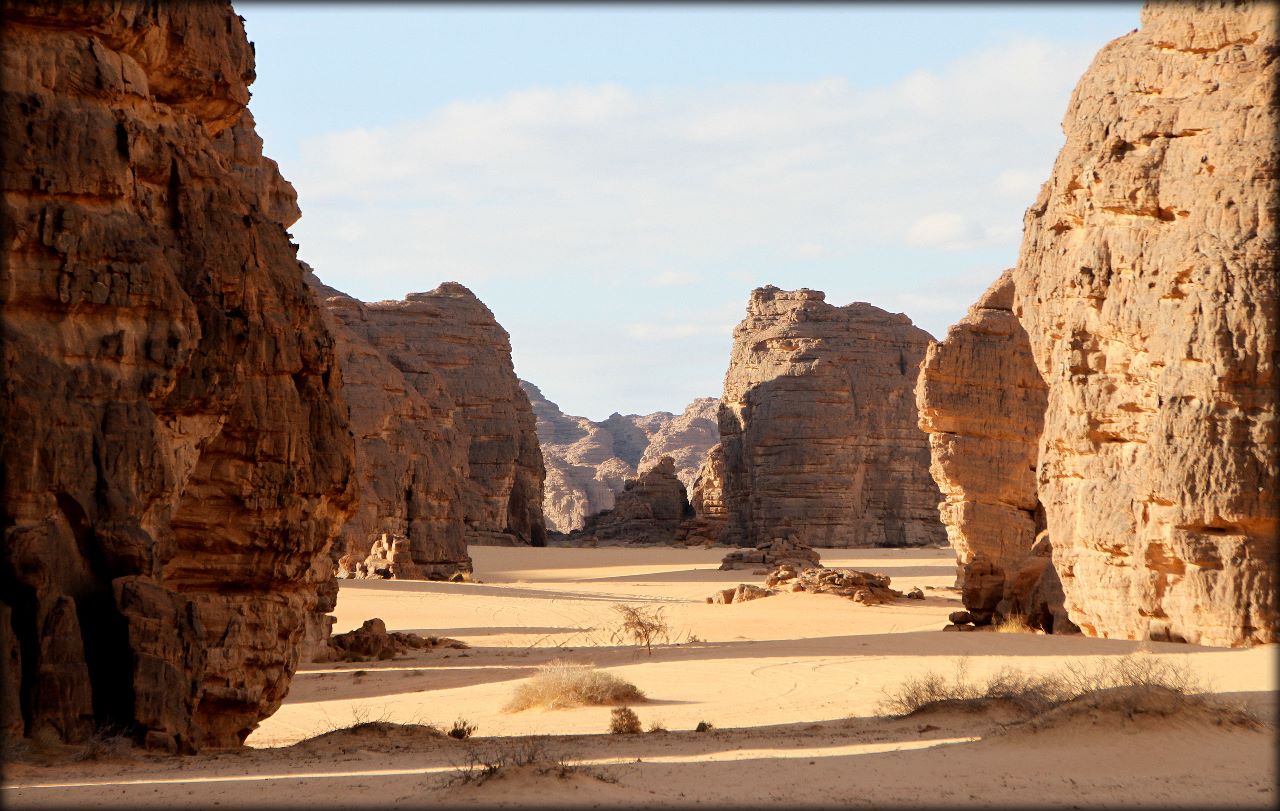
<point x="790" y="683"/>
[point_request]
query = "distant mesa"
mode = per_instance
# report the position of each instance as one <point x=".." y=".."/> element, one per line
<point x="818" y="430"/>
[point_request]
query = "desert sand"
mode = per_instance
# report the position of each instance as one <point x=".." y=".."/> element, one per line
<point x="790" y="683"/>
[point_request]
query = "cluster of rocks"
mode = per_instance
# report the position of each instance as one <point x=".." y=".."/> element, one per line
<point x="649" y="510"/>
<point x="589" y="463"/>
<point x="771" y="554"/>
<point x="741" y="593"/>
<point x="863" y="587"/>
<point x="818" y="428"/>
<point x="372" y="640"/>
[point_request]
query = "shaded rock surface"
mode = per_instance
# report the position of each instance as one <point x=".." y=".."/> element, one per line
<point x="818" y="428"/>
<point x="175" y="447"/>
<point x="778" y="552"/>
<point x="372" y="640"/>
<point x="867" y="588"/>
<point x="981" y="400"/>
<point x="649" y="510"/>
<point x="1147" y="286"/>
<point x="588" y="463"/>
<point x="411" y="458"/>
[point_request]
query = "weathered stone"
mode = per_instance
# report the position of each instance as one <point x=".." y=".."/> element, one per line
<point x="411" y="456"/>
<point x="862" y="587"/>
<point x="647" y="511"/>
<point x="588" y="463"/>
<point x="448" y="339"/>
<point x="1147" y="286"/>
<point x="982" y="402"/>
<point x="818" y="427"/>
<point x="780" y="552"/>
<point x="174" y="443"/>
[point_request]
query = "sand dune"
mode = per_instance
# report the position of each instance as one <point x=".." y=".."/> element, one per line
<point x="791" y="684"/>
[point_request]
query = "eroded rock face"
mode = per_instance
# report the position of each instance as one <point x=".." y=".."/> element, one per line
<point x="447" y="344"/>
<point x="175" y="447"/>
<point x="588" y="463"/>
<point x="818" y="428"/>
<point x="1147" y="286"/>
<point x="982" y="401"/>
<point x="647" y="511"/>
<point x="411" y="456"/>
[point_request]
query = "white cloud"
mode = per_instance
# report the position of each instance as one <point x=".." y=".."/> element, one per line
<point x="580" y="184"/>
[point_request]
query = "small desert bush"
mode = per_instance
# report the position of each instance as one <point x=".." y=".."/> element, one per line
<point x="461" y="730"/>
<point x="528" y="754"/>
<point x="657" y="726"/>
<point x="560" y="684"/>
<point x="640" y="625"/>
<point x="703" y="726"/>
<point x="624" y="721"/>
<point x="1128" y="685"/>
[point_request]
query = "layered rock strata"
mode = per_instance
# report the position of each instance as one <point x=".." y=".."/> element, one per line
<point x="981" y="401"/>
<point x="448" y="348"/>
<point x="1147" y="286"/>
<point x="174" y="442"/>
<point x="588" y="463"/>
<point x="411" y="458"/>
<point x="818" y="427"/>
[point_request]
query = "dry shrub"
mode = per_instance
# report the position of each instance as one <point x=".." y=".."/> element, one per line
<point x="461" y="730"/>
<point x="1014" y="624"/>
<point x="529" y="754"/>
<point x="624" y="721"/>
<point x="560" y="685"/>
<point x="1137" y="684"/>
<point x="640" y="625"/>
<point x="106" y="744"/>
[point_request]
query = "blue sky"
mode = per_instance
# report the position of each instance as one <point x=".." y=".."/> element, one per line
<point x="613" y="180"/>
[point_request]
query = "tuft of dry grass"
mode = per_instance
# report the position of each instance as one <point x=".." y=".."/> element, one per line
<point x="1014" y="624"/>
<point x="1137" y="684"/>
<point x="624" y="721"/>
<point x="561" y="684"/>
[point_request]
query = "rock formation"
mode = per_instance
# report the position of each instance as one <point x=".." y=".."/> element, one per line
<point x="411" y="457"/>
<point x="1147" y="286"/>
<point x="174" y="443"/>
<point x="982" y="401"/>
<point x="778" y="552"/>
<point x="447" y="346"/>
<point x="588" y="463"/>
<point x="818" y="428"/>
<point x="647" y="511"/>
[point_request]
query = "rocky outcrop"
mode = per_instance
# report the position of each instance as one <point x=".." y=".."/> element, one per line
<point x="411" y="458"/>
<point x="174" y="442"/>
<point x="647" y="511"/>
<point x="981" y="400"/>
<point x="447" y="346"/>
<point x="772" y="554"/>
<point x="818" y="427"/>
<point x="588" y="463"/>
<point x="1147" y="286"/>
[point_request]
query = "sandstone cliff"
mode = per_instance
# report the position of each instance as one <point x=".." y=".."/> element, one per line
<point x="411" y="455"/>
<point x="588" y="463"/>
<point x="981" y="400"/>
<point x="1147" y="286"/>
<point x="175" y="449"/>
<point x="818" y="428"/>
<point x="451" y="350"/>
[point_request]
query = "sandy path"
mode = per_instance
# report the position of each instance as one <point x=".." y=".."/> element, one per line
<point x="780" y="678"/>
